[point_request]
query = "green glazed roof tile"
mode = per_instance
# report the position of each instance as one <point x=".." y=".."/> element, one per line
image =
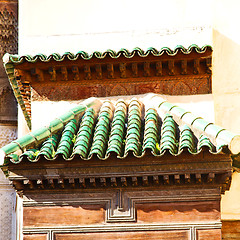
<point x="120" y="128"/>
<point x="168" y="135"/>
<point x="102" y="128"/>
<point x="205" y="142"/>
<point x="66" y="142"/>
<point x="49" y="147"/>
<point x="115" y="143"/>
<point x="29" y="154"/>
<point x="15" y="59"/>
<point x="84" y="135"/>
<point x="151" y="131"/>
<point x="186" y="139"/>
<point x="10" y="62"/>
<point x="133" y="128"/>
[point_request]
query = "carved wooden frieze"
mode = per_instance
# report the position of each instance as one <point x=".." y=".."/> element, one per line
<point x="117" y="70"/>
<point x="208" y="170"/>
<point x="74" y="82"/>
<point x="80" y="79"/>
<point x="76" y="91"/>
<point x="9" y="27"/>
<point x="8" y="43"/>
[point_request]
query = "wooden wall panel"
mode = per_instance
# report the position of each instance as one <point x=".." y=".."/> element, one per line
<point x="150" y="235"/>
<point x="63" y="216"/>
<point x="213" y="234"/>
<point x="178" y="212"/>
<point x="230" y="230"/>
<point x="35" y="237"/>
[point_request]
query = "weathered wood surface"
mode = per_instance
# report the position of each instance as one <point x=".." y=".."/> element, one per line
<point x="61" y="216"/>
<point x="170" y="235"/>
<point x="230" y="230"/>
<point x="35" y="237"/>
<point x="211" y="234"/>
<point x="187" y="212"/>
<point x="179" y="212"/>
<point x="179" y="171"/>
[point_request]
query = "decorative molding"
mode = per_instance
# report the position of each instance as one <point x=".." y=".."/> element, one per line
<point x="120" y="203"/>
<point x="206" y="170"/>
<point x="173" y="85"/>
<point x="98" y="77"/>
<point x="191" y="228"/>
<point x="9" y="30"/>
<point x="119" y="70"/>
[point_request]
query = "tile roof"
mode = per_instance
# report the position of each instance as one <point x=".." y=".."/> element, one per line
<point x="11" y="61"/>
<point x="147" y="125"/>
<point x="15" y="59"/>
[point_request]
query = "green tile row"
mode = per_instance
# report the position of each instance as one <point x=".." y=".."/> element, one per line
<point x="111" y="53"/>
<point x="120" y="130"/>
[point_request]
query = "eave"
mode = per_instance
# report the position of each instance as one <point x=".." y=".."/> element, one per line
<point x="66" y="153"/>
<point x="101" y="68"/>
<point x="203" y="169"/>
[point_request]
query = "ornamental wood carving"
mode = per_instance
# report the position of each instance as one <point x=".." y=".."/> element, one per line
<point x="9" y="27"/>
<point x="79" y="79"/>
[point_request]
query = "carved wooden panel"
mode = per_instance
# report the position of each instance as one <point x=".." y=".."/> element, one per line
<point x="81" y="78"/>
<point x="153" y="235"/>
<point x="9" y="27"/>
<point x="76" y="91"/>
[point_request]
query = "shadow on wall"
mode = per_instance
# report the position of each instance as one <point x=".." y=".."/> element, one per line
<point x="226" y="95"/>
<point x="225" y="81"/>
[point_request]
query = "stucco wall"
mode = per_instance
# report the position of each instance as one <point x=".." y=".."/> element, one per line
<point x="226" y="85"/>
<point x="7" y="209"/>
<point x="45" y="111"/>
<point x="59" y="26"/>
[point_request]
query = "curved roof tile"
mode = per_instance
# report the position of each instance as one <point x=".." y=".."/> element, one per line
<point x="15" y="59"/>
<point x="119" y="128"/>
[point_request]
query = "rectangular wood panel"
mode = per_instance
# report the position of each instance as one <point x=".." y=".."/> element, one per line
<point x="213" y="234"/>
<point x="230" y="230"/>
<point x="150" y="235"/>
<point x="63" y="215"/>
<point x="179" y="212"/>
<point x="35" y="237"/>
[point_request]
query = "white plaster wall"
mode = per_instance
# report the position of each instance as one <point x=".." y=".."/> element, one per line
<point x="49" y="26"/>
<point x="226" y="86"/>
<point x="7" y="209"/>
<point x="46" y="111"/>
